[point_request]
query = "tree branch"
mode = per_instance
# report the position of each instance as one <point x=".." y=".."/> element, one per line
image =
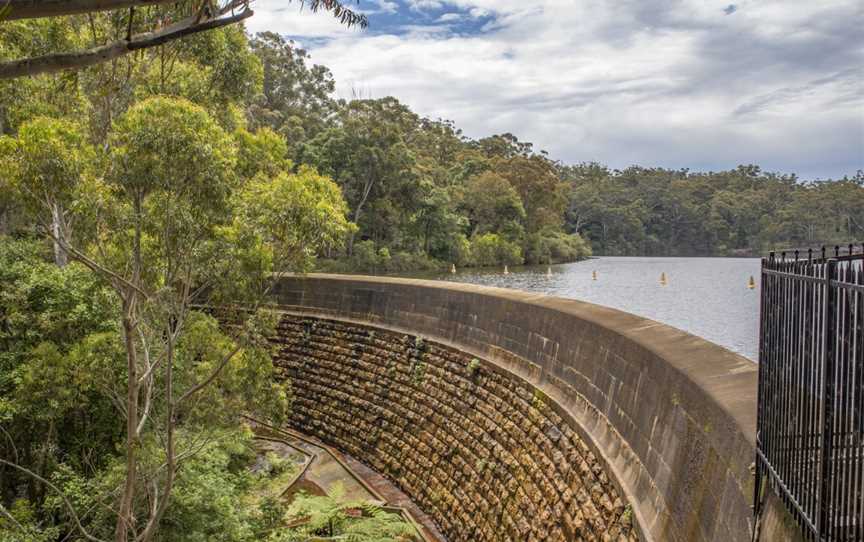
<point x="148" y="397"/>
<point x="80" y="59"/>
<point x="204" y="383"/>
<point x="170" y="421"/>
<point x="92" y="265"/>
<point x="34" y="9"/>
<point x="11" y="518"/>
<point x="11" y="442"/>
<point x="56" y="489"/>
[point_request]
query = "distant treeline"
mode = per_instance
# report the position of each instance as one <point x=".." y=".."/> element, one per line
<point x="745" y="211"/>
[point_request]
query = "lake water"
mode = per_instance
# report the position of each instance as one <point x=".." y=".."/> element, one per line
<point x="707" y="297"/>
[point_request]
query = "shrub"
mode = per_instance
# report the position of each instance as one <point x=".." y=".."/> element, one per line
<point x="277" y="464"/>
<point x="557" y="247"/>
<point x="492" y="249"/>
<point x="460" y="250"/>
<point x="568" y="247"/>
<point x="412" y="261"/>
<point x="364" y="257"/>
<point x="383" y="258"/>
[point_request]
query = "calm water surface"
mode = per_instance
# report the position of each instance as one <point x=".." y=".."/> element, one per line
<point x="707" y="297"/>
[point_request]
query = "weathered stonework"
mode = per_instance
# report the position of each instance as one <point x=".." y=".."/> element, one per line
<point x="670" y="417"/>
<point x="483" y="452"/>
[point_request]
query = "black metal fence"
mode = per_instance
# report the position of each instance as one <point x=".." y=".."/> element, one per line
<point x="810" y="428"/>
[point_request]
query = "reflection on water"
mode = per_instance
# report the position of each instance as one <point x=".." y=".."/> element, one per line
<point x="708" y="297"/>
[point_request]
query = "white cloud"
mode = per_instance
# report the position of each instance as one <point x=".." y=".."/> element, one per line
<point x="422" y="5"/>
<point x="387" y="6"/>
<point x="449" y="18"/>
<point x="677" y="84"/>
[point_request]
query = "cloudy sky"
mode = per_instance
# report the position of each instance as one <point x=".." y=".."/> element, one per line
<point x="700" y="84"/>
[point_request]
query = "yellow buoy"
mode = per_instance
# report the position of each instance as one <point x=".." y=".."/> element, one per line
<point x="752" y="283"/>
<point x="506" y="271"/>
<point x="593" y="275"/>
<point x="452" y="267"/>
<point x="663" y="281"/>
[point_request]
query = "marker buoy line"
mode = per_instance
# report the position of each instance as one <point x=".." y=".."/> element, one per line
<point x="752" y="284"/>
<point x="453" y="268"/>
<point x="663" y="280"/>
<point x="549" y="271"/>
<point x="506" y="271"/>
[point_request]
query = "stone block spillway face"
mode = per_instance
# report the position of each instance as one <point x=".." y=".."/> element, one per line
<point x="514" y="416"/>
<point x="480" y="450"/>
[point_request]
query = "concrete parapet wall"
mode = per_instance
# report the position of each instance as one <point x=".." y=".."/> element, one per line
<point x="667" y="416"/>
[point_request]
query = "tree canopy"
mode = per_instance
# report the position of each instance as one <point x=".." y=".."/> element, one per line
<point x="156" y="207"/>
<point x="158" y="22"/>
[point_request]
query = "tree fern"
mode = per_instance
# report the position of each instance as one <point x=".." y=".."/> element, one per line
<point x="329" y="517"/>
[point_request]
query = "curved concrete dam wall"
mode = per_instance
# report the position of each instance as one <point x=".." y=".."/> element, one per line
<point x="514" y="416"/>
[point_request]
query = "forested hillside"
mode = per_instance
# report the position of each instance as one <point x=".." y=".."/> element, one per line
<point x="421" y="193"/>
<point x="745" y="211"/>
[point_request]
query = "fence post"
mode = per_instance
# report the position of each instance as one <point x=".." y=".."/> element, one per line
<point x="827" y="416"/>
<point x="763" y="313"/>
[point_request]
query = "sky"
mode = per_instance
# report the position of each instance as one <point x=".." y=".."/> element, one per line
<point x="696" y="84"/>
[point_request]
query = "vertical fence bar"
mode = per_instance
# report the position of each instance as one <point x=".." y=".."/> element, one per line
<point x="813" y="372"/>
<point x="838" y="474"/>
<point x="801" y="430"/>
<point x="827" y="417"/>
<point x="855" y="422"/>
<point x="814" y="432"/>
<point x="858" y="408"/>
<point x="783" y="348"/>
<point x="846" y="447"/>
<point x="760" y="395"/>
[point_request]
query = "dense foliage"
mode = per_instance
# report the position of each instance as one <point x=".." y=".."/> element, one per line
<point x="138" y="210"/>
<point x="421" y="194"/>
<point x="745" y="211"/>
<point x="138" y="194"/>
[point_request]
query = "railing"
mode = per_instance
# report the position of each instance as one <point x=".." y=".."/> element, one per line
<point x="810" y="423"/>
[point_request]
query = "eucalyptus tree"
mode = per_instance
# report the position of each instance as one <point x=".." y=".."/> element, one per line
<point x="173" y="230"/>
<point x="194" y="235"/>
<point x="263" y="151"/>
<point x="46" y="165"/>
<point x="543" y="194"/>
<point x="368" y="153"/>
<point x="297" y="97"/>
<point x="492" y="204"/>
